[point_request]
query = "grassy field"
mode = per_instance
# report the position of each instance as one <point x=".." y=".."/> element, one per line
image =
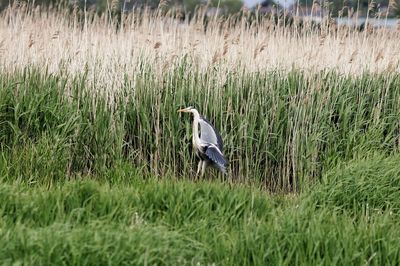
<point x="96" y="165"/>
<point x="122" y="218"/>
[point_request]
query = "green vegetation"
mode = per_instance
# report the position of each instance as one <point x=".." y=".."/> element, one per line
<point x="281" y="130"/>
<point x="96" y="165"/>
<point x="131" y="220"/>
<point x="95" y="176"/>
<point x="188" y="7"/>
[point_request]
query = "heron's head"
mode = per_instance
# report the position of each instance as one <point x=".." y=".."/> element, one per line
<point x="186" y="110"/>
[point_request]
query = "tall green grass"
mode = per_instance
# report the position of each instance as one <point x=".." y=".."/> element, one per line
<point x="362" y="186"/>
<point x="147" y="221"/>
<point x="126" y="154"/>
<point x="282" y="129"/>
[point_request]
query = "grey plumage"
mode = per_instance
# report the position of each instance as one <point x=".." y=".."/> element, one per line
<point x="209" y="133"/>
<point x="207" y="142"/>
<point x="215" y="156"/>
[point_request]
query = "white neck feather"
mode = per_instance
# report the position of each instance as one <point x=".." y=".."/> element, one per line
<point x="196" y="119"/>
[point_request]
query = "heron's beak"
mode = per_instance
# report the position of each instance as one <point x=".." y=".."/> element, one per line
<point x="182" y="111"/>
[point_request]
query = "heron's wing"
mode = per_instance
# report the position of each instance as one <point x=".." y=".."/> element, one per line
<point x="216" y="156"/>
<point x="209" y="134"/>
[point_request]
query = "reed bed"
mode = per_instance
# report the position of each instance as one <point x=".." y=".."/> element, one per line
<point x="108" y="49"/>
<point x="95" y="162"/>
<point x="283" y="130"/>
<point x="291" y="101"/>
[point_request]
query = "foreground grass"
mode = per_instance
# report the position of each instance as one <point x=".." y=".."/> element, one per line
<point x="146" y="221"/>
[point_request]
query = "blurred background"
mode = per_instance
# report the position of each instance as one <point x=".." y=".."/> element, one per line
<point x="382" y="9"/>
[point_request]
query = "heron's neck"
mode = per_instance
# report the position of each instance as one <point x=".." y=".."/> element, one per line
<point x="196" y="119"/>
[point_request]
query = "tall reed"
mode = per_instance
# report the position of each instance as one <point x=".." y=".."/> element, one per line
<point x="283" y="129"/>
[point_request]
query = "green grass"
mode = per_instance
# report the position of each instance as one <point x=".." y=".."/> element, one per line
<point x="104" y="179"/>
<point x="166" y="222"/>
<point x="282" y="130"/>
<point x="369" y="185"/>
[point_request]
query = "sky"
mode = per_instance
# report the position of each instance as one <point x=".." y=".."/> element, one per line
<point x="251" y="3"/>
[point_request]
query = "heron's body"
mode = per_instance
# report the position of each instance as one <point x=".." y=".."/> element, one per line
<point x="207" y="143"/>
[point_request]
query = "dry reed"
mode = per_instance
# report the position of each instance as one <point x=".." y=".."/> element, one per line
<point x="58" y="42"/>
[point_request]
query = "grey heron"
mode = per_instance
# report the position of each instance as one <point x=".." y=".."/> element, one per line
<point x="207" y="143"/>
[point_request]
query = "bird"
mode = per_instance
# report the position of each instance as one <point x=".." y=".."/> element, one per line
<point x="207" y="143"/>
